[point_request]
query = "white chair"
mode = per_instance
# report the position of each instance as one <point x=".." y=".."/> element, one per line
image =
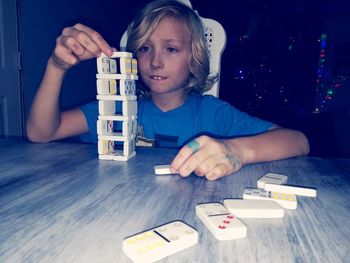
<point x="216" y="39"/>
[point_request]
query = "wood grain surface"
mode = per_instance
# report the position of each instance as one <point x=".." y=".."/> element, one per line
<point x="59" y="203"/>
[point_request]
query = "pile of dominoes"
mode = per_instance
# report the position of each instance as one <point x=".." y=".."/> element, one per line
<point x="268" y="200"/>
<point x="117" y="106"/>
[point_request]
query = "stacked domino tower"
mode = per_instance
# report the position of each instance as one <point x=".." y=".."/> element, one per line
<point x="117" y="106"/>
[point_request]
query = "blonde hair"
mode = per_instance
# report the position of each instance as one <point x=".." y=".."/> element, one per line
<point x="145" y="22"/>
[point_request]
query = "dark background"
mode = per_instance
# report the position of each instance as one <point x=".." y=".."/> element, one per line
<point x="274" y="65"/>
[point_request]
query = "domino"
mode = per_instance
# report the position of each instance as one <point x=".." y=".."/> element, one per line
<point x="127" y="87"/>
<point x="116" y="76"/>
<point x="144" y="142"/>
<point x="106" y="65"/>
<point x="288" y="189"/>
<point x="110" y="127"/>
<point x="115" y="145"/>
<point x="287" y="201"/>
<point x="125" y="66"/>
<point x="220" y="222"/>
<point x="160" y="242"/>
<point x="118" y="54"/>
<point x="163" y="169"/>
<point x="134" y="66"/>
<point x="243" y="208"/>
<point x="106" y="86"/>
<point x="117" y="156"/>
<point x="123" y="107"/>
<point x="116" y="97"/>
<point x="117" y="125"/>
<point x="110" y="87"/>
<point x="272" y="178"/>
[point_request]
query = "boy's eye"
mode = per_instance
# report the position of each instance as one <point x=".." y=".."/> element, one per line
<point x="172" y="50"/>
<point x="144" y="49"/>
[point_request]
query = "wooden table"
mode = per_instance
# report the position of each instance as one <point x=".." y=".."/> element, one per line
<point x="59" y="203"/>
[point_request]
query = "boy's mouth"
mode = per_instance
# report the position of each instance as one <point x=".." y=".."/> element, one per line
<point x="158" y="77"/>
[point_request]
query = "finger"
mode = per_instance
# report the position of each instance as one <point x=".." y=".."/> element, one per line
<point x="71" y="35"/>
<point x="194" y="161"/>
<point x="218" y="171"/>
<point x="77" y="49"/>
<point x="88" y="44"/>
<point x="206" y="166"/>
<point x="72" y="44"/>
<point x="97" y="38"/>
<point x="64" y="58"/>
<point x="184" y="153"/>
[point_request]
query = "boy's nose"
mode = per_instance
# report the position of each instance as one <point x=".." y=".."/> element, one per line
<point x="157" y="61"/>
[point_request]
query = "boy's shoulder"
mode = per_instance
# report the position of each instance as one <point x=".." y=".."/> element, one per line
<point x="209" y="101"/>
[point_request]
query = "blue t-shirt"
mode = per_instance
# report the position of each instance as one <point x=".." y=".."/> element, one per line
<point x="198" y="115"/>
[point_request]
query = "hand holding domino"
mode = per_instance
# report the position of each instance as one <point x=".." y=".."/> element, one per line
<point x="220" y="222"/>
<point x="160" y="242"/>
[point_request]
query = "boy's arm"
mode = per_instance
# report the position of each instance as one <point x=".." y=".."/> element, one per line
<point x="46" y="122"/>
<point x="217" y="158"/>
<point x="278" y="143"/>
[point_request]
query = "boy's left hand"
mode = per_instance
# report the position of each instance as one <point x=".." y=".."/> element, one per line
<point x="207" y="157"/>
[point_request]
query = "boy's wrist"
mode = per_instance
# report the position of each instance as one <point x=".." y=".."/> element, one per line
<point x="60" y="68"/>
<point x="241" y="152"/>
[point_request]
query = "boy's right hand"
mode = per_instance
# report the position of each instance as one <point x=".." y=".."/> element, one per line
<point x="78" y="43"/>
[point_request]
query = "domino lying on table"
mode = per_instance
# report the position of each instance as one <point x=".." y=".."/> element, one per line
<point x="160" y="242"/>
<point x="222" y="220"/>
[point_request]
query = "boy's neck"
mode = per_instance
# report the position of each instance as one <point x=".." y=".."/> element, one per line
<point x="168" y="101"/>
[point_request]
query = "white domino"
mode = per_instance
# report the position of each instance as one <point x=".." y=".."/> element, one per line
<point x="115" y="147"/>
<point x="122" y="107"/>
<point x="118" y="54"/>
<point x="163" y="169"/>
<point x="117" y="125"/>
<point x="288" y="189"/>
<point x="125" y="66"/>
<point x="220" y="222"/>
<point x="106" y="65"/>
<point x="287" y="201"/>
<point x="272" y="178"/>
<point x="117" y="76"/>
<point x="244" y="208"/>
<point x="160" y="242"/>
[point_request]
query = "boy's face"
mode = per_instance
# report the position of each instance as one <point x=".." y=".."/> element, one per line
<point x="164" y="58"/>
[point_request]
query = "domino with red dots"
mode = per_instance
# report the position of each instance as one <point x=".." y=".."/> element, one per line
<point x="160" y="242"/>
<point x="220" y="222"/>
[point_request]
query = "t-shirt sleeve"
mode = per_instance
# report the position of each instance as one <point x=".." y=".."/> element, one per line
<point x="231" y="122"/>
<point x="90" y="112"/>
